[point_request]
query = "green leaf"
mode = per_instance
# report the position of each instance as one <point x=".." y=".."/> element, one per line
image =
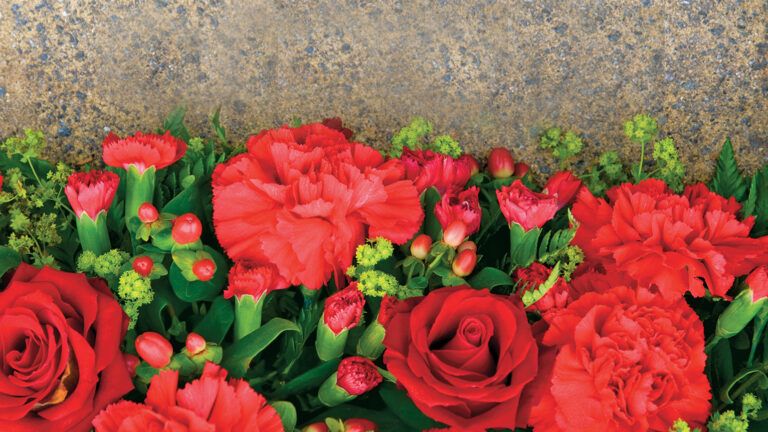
<point x="308" y="380"/>
<point x="221" y="133"/>
<point x="174" y="123"/>
<point x="287" y="413"/>
<point x="399" y="403"/>
<point x="490" y="277"/>
<point x="554" y="242"/>
<point x="384" y="419"/>
<point x="237" y="358"/>
<point x="216" y="323"/>
<point x="727" y="180"/>
<point x="9" y="259"/>
<point x="522" y="250"/>
<point x="198" y="290"/>
<point x="431" y="225"/>
<point x="153" y="316"/>
<point x="757" y="203"/>
<point x="185" y="202"/>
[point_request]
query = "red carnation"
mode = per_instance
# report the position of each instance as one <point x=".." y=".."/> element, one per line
<point x="530" y="278"/>
<point x="357" y="375"/>
<point x="464" y="207"/>
<point x="623" y="360"/>
<point x="304" y="198"/>
<point x="526" y="208"/>
<point x="210" y="403"/>
<point x="60" y="336"/>
<point x="757" y="281"/>
<point x="463" y="355"/>
<point x="429" y="169"/>
<point x="248" y="278"/>
<point x="563" y="186"/>
<point x="387" y="308"/>
<point x="91" y="192"/>
<point x="672" y="243"/>
<point x="343" y="309"/>
<point x="142" y="151"/>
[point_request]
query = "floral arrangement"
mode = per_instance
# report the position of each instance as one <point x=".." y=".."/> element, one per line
<point x="306" y="281"/>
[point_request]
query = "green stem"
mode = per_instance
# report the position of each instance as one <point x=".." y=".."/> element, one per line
<point x="140" y="188"/>
<point x="247" y="315"/>
<point x="642" y="160"/>
<point x="93" y="234"/>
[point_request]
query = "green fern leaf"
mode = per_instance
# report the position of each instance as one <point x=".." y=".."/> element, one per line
<point x="727" y="180"/>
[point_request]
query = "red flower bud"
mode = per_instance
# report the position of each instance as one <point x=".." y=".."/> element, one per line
<point x="186" y="229"/>
<point x="455" y="233"/>
<point x="143" y="265"/>
<point x="131" y="362"/>
<point x="343" y="309"/>
<point x="500" y="163"/>
<point x="154" y="349"/>
<point x="474" y="166"/>
<point x="148" y="213"/>
<point x="757" y="281"/>
<point x="467" y="245"/>
<point x="195" y="343"/>
<point x="464" y="262"/>
<point x="315" y="427"/>
<point x="357" y="375"/>
<point x="91" y="192"/>
<point x="204" y="269"/>
<point x="421" y="245"/>
<point x="387" y="309"/>
<point x="359" y="425"/>
<point x="521" y="169"/>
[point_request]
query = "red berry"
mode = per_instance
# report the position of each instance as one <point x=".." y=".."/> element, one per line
<point x="315" y="427"/>
<point x="154" y="349"/>
<point x="204" y="269"/>
<point x="464" y="263"/>
<point x="359" y="425"/>
<point x="467" y="245"/>
<point x="500" y="163"/>
<point x="143" y="265"/>
<point x="195" y="343"/>
<point x="148" y="213"/>
<point x="420" y="246"/>
<point x="186" y="229"/>
<point x="455" y="233"/>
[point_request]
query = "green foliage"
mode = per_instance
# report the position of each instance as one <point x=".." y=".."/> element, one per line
<point x="727" y="180"/>
<point x="446" y="145"/>
<point x="757" y="202"/>
<point x="416" y="135"/>
<point x="670" y="168"/>
<point x="608" y="172"/>
<point x="729" y="421"/>
<point x="562" y="145"/>
<point x="641" y="129"/>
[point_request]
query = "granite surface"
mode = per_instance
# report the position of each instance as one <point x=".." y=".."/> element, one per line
<point x="490" y="72"/>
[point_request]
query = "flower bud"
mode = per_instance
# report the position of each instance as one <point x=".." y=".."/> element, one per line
<point x="341" y="312"/>
<point x="745" y="306"/>
<point x="521" y="169"/>
<point x="359" y="425"/>
<point x="315" y="427"/>
<point x="467" y="245"/>
<point x="154" y="349"/>
<point x="131" y="362"/>
<point x="500" y="163"/>
<point x="464" y="263"/>
<point x="143" y="265"/>
<point x="420" y="246"/>
<point x="204" y="269"/>
<point x="148" y="213"/>
<point x="354" y="377"/>
<point x="186" y="229"/>
<point x="195" y="343"/>
<point x="474" y="166"/>
<point x="455" y="233"/>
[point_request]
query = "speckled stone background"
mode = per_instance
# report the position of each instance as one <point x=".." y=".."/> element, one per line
<point x="490" y="73"/>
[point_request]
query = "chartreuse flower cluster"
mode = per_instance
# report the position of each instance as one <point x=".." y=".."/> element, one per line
<point x="134" y="292"/>
<point x="370" y="281"/>
<point x="727" y="421"/>
<point x="413" y="136"/>
<point x="642" y="129"/>
<point x="562" y="145"/>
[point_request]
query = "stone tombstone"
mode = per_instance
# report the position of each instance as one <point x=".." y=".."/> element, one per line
<point x="490" y="73"/>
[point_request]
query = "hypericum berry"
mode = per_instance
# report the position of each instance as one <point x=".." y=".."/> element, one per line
<point x="148" y="213"/>
<point x="455" y="233"/>
<point x="464" y="263"/>
<point x="420" y="246"/>
<point x="315" y="427"/>
<point x="359" y="425"/>
<point x="186" y="229"/>
<point x="467" y="245"/>
<point x="500" y="163"/>
<point x="143" y="265"/>
<point x="204" y="269"/>
<point x="154" y="349"/>
<point x="195" y="343"/>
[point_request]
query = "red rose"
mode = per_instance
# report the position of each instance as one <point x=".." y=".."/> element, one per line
<point x="387" y="309"/>
<point x="526" y="208"/>
<point x="531" y="277"/>
<point x="464" y="356"/>
<point x="248" y="278"/>
<point x="60" y="336"/>
<point x="357" y="375"/>
<point x="429" y="169"/>
<point x="92" y="192"/>
<point x="464" y="207"/>
<point x="563" y="186"/>
<point x="672" y="243"/>
<point x="304" y="198"/>
<point x="343" y="309"/>
<point x="623" y="360"/>
<point x="210" y="403"/>
<point x="142" y="151"/>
